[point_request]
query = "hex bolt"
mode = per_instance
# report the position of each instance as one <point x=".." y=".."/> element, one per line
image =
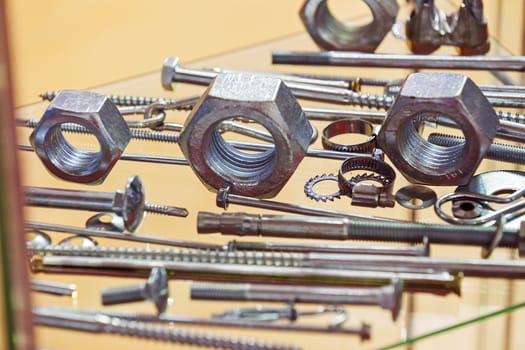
<point x="387" y="297"/>
<point x="130" y="203"/>
<point x="497" y="151"/>
<point x="343" y="228"/>
<point x="155" y="289"/>
<point x="355" y="59"/>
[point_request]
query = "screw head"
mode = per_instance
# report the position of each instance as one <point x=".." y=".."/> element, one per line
<point x="131" y="203"/>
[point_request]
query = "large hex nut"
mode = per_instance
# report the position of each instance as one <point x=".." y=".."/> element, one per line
<point x="427" y="97"/>
<point x="265" y="100"/>
<point x="331" y="34"/>
<point x="100" y="117"/>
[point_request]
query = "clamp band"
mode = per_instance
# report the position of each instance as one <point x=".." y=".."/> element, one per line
<point x="349" y="126"/>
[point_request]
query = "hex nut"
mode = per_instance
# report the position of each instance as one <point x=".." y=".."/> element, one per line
<point x="100" y="117"/>
<point x="265" y="100"/>
<point x="331" y="34"/>
<point x="425" y="97"/>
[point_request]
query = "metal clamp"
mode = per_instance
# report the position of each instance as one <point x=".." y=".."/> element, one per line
<point x="349" y="126"/>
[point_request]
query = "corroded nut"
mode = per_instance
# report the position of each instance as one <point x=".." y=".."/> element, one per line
<point x="100" y="117"/>
<point x="331" y="34"/>
<point x="265" y="100"/>
<point x="427" y="97"/>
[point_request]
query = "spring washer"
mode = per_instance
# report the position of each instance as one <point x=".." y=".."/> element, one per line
<point x="310" y="192"/>
<point x="349" y="126"/>
<point x="406" y="195"/>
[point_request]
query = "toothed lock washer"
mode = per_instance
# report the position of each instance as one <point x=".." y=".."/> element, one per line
<point x="310" y="192"/>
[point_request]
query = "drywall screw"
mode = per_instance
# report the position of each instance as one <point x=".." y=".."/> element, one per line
<point x="155" y="289"/>
<point x="301" y="88"/>
<point x="236" y="267"/>
<point x="343" y="228"/>
<point x="100" y="323"/>
<point x="130" y="203"/>
<point x="224" y="199"/>
<point x="55" y="288"/>
<point x="126" y="100"/>
<point x="387" y="297"/>
<point x="414" y="250"/>
<point x="357" y="59"/>
<point x="86" y="232"/>
<point x="497" y="151"/>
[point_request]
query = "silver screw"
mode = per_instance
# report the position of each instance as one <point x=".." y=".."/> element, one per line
<point x="55" y="288"/>
<point x="301" y="87"/>
<point x="155" y="289"/>
<point x="387" y="297"/>
<point x="130" y="203"/>
<point x="94" y="322"/>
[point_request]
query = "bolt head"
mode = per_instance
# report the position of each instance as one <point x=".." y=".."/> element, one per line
<point x="157" y="288"/>
<point x="168" y="72"/>
<point x="130" y="203"/>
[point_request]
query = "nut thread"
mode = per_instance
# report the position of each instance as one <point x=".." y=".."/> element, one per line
<point x="497" y="151"/>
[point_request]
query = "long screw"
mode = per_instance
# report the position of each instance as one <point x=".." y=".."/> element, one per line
<point x="300" y="87"/>
<point x="173" y="72"/>
<point x="497" y="151"/>
<point x="129" y="204"/>
<point x="343" y="228"/>
<point x="224" y="199"/>
<point x="363" y="332"/>
<point x="100" y="323"/>
<point x="232" y="267"/>
<point x="332" y="262"/>
<point x="387" y="297"/>
<point x="126" y="100"/>
<point x="154" y="289"/>
<point x="356" y="59"/>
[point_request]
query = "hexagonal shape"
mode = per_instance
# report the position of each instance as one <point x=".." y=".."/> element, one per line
<point x="429" y="96"/>
<point x="331" y="34"/>
<point x="100" y="117"/>
<point x="265" y="100"/>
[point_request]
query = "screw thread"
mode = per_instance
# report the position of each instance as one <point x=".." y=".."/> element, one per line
<point x="511" y="117"/>
<point x="150" y="331"/>
<point x="370" y="100"/>
<point x="166" y="210"/>
<point x="497" y="151"/>
<point x="181" y="255"/>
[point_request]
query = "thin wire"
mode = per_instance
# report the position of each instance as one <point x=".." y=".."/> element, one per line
<point x="484" y="317"/>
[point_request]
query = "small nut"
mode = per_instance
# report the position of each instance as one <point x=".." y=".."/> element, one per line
<point x="331" y="34"/>
<point x="265" y="100"/>
<point x="427" y="97"/>
<point x="100" y="117"/>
